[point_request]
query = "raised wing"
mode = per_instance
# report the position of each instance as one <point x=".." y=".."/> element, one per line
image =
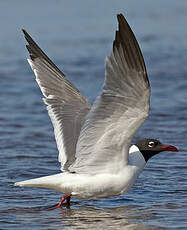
<point x="122" y="107"/>
<point x="66" y="106"/>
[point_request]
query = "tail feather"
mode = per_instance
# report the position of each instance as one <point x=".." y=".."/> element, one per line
<point x="51" y="182"/>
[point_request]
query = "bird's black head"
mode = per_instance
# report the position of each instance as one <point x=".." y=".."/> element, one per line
<point x="151" y="147"/>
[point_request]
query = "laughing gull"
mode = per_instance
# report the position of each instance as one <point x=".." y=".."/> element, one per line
<point x="94" y="141"/>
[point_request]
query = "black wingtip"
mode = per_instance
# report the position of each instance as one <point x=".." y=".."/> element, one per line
<point x="118" y="17"/>
<point x="27" y="36"/>
<point x="122" y="21"/>
<point x="121" y="17"/>
<point x="35" y="51"/>
<point x="24" y="32"/>
<point x="126" y="38"/>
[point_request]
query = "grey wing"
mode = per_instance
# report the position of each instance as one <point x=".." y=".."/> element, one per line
<point x="122" y="107"/>
<point x="66" y="106"/>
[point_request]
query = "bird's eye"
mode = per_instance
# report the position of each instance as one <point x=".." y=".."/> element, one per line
<point x="151" y="144"/>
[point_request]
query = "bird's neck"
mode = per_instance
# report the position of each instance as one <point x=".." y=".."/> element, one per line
<point x="136" y="158"/>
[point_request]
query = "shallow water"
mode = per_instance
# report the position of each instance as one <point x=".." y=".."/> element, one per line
<point x="78" y="35"/>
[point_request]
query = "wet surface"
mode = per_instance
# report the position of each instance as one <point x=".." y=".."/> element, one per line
<point x="77" y="36"/>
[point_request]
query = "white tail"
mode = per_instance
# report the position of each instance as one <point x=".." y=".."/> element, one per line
<point x="51" y="182"/>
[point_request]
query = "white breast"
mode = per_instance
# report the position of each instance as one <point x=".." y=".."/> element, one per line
<point x="104" y="185"/>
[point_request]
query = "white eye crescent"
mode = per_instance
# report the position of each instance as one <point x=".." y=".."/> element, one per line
<point x="151" y="144"/>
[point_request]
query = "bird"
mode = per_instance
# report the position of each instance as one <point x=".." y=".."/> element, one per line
<point x="94" y="142"/>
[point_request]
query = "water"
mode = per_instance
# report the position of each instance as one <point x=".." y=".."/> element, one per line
<point x="78" y="35"/>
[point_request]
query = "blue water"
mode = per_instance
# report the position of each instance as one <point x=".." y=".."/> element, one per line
<point x="77" y="35"/>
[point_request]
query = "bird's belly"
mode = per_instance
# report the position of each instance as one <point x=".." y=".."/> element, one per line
<point x="100" y="186"/>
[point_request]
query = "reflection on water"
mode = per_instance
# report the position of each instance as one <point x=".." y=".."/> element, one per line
<point x="88" y="217"/>
<point x="91" y="218"/>
<point x="92" y="215"/>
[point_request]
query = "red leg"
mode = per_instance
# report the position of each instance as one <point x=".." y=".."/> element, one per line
<point x="67" y="198"/>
